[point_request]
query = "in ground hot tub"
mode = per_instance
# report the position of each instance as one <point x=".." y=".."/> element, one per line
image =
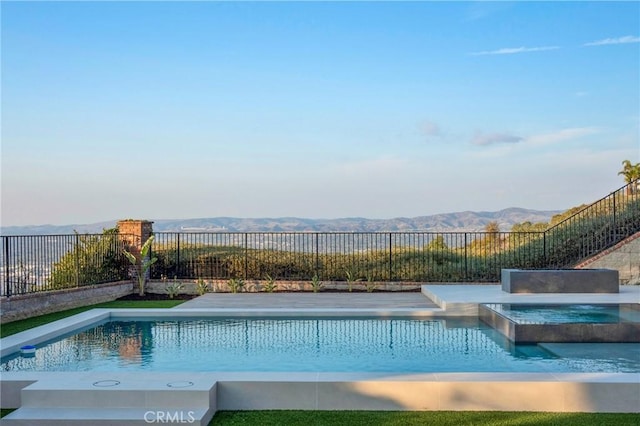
<point x="579" y="323"/>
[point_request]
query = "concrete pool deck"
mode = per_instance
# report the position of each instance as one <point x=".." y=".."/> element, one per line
<point x="464" y="299"/>
<point x="433" y="300"/>
<point x="414" y="301"/>
<point x="49" y="398"/>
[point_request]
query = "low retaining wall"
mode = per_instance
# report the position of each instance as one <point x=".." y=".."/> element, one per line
<point x="560" y="281"/>
<point x="624" y="257"/>
<point x="257" y="286"/>
<point x="29" y="305"/>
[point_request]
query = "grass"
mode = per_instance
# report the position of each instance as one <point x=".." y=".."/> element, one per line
<point x="415" y="418"/>
<point x="17" y="326"/>
<point x="354" y="418"/>
<point x="420" y="418"/>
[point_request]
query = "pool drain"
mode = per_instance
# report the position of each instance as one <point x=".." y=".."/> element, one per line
<point x="180" y="384"/>
<point x="106" y="383"/>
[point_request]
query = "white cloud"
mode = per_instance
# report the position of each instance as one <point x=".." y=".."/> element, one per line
<point x="619" y="40"/>
<point x="561" y="135"/>
<point x="430" y="129"/>
<point x="483" y="139"/>
<point x="514" y="50"/>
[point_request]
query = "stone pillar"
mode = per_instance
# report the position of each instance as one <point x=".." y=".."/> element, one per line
<point x="134" y="233"/>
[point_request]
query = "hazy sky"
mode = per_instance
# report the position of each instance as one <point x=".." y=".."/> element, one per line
<point x="158" y="110"/>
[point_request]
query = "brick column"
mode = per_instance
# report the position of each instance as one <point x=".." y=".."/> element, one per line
<point x="134" y="233"/>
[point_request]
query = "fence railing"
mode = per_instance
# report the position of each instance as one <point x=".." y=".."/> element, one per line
<point x="598" y="226"/>
<point x="35" y="263"/>
<point x="40" y="263"/>
<point x="336" y="256"/>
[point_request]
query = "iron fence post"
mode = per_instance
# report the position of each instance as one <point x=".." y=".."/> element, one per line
<point x="390" y="258"/>
<point x="246" y="255"/>
<point x="466" y="262"/>
<point x="5" y="243"/>
<point x="178" y="272"/>
<point x="615" y="227"/>
<point x="317" y="266"/>
<point x="76" y="251"/>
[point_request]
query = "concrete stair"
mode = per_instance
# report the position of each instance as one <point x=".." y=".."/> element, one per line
<point x="116" y="402"/>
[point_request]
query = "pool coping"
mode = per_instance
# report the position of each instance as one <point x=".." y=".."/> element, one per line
<point x="464" y="299"/>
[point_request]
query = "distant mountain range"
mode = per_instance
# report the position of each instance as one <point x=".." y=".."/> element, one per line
<point x="447" y="222"/>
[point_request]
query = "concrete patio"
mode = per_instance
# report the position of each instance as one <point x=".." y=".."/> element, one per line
<point x="393" y="301"/>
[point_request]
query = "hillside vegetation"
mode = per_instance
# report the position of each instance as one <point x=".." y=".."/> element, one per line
<point x="566" y="239"/>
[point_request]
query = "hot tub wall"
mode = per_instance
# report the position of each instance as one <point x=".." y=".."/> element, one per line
<point x="560" y="281"/>
<point x="577" y="333"/>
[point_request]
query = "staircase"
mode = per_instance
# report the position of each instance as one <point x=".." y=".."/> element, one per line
<point x="116" y="401"/>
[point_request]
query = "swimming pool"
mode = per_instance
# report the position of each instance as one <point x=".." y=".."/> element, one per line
<point x="404" y="345"/>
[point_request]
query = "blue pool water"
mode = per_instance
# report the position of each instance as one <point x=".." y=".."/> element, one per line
<point x="308" y="345"/>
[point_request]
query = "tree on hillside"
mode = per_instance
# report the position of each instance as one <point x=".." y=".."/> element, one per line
<point x="493" y="234"/>
<point x="557" y="218"/>
<point x="437" y="244"/>
<point x="92" y="259"/>
<point x="492" y="228"/>
<point x="529" y="227"/>
<point x="630" y="172"/>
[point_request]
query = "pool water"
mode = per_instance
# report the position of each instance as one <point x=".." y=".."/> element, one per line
<point x="567" y="314"/>
<point x="308" y="345"/>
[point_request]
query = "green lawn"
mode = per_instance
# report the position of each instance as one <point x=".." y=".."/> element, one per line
<point x="354" y="418"/>
<point x="419" y="418"/>
<point x="17" y="326"/>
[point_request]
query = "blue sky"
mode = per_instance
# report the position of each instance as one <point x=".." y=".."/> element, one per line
<point x="158" y="110"/>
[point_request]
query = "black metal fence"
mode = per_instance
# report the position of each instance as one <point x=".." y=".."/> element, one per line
<point x="39" y="263"/>
<point x="598" y="226"/>
<point x="34" y="263"/>
<point x="339" y="256"/>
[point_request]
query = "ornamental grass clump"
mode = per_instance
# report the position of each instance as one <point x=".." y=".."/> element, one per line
<point x="202" y="286"/>
<point x="174" y="288"/>
<point x="270" y="284"/>
<point x="316" y="284"/>
<point x="236" y="285"/>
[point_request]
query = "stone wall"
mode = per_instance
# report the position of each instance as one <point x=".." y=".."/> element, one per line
<point x="29" y="305"/>
<point x="623" y="257"/>
<point x="256" y="286"/>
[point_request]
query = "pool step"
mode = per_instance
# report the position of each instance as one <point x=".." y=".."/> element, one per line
<point x="116" y="401"/>
<point x="95" y="417"/>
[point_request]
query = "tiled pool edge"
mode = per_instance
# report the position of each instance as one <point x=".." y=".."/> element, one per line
<point x="36" y="335"/>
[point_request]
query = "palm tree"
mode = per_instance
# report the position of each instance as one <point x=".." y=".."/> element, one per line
<point x="631" y="173"/>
